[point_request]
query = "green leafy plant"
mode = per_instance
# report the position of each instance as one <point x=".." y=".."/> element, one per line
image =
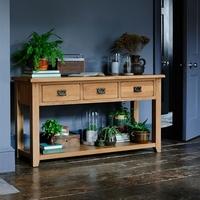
<point x="129" y="43"/>
<point x="108" y="132"/>
<point x="37" y="47"/>
<point x="51" y="127"/>
<point x="138" y="126"/>
<point x="120" y="118"/>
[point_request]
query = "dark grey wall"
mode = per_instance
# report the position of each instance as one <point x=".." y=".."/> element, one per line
<point x="87" y="27"/>
<point x="6" y="152"/>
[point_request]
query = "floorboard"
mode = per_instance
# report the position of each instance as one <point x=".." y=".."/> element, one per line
<point x="172" y="175"/>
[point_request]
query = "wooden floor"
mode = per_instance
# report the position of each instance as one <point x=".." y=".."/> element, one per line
<point x="140" y="175"/>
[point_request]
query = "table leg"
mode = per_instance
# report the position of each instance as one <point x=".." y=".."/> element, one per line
<point x="135" y="110"/>
<point x="34" y="126"/>
<point x="156" y="117"/>
<point x="19" y="122"/>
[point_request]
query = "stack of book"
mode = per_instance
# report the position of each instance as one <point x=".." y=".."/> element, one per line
<point x="42" y="74"/>
<point x="123" y="137"/>
<point x="51" y="148"/>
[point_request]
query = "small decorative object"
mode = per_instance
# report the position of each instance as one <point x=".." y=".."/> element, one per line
<point x="127" y="65"/>
<point x="115" y="64"/>
<point x="68" y="141"/>
<point x="139" y="132"/>
<point x="72" y="64"/>
<point x="131" y="44"/>
<point x="93" y="126"/>
<point x="108" y="135"/>
<point x="51" y="128"/>
<point x="39" y="51"/>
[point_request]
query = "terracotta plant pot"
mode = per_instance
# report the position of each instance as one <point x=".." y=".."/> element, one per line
<point x="43" y="64"/>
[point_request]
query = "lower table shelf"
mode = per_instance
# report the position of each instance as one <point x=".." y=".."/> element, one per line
<point x="84" y="150"/>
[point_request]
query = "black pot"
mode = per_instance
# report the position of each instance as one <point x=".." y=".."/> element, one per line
<point x="111" y="141"/>
<point x="138" y="69"/>
<point x="137" y="64"/>
<point x="100" y="143"/>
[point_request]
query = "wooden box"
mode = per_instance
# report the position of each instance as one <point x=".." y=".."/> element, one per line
<point x="71" y="65"/>
<point x="68" y="141"/>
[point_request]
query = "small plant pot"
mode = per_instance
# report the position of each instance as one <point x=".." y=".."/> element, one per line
<point x="111" y="141"/>
<point x="51" y="140"/>
<point x="138" y="69"/>
<point x="141" y="137"/>
<point x="100" y="143"/>
<point x="120" y="122"/>
<point x="43" y="64"/>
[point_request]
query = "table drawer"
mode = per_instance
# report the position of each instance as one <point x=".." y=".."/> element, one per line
<point x="100" y="91"/>
<point x="60" y="93"/>
<point x="137" y="89"/>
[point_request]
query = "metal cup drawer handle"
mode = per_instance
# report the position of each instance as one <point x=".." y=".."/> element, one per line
<point x="61" y="93"/>
<point x="137" y="89"/>
<point x="101" y="90"/>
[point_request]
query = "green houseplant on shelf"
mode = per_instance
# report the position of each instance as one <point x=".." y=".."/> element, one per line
<point x="39" y="50"/>
<point x="51" y="128"/>
<point x="107" y="136"/>
<point x="131" y="45"/>
<point x="139" y="132"/>
<point x="120" y="117"/>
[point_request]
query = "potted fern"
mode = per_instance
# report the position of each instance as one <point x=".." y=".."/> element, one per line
<point x="51" y="128"/>
<point x="139" y="132"/>
<point x="39" y="50"/>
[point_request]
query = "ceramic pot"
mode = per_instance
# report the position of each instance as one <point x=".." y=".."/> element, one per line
<point x="141" y="137"/>
<point x="51" y="140"/>
<point x="120" y="121"/>
<point x="43" y="64"/>
<point x="100" y="143"/>
<point x="110" y="141"/>
<point x="137" y="64"/>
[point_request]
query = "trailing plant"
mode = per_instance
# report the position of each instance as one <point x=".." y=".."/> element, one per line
<point x="130" y="43"/>
<point x="37" y="47"/>
<point x="51" y="128"/>
<point x="108" y="132"/>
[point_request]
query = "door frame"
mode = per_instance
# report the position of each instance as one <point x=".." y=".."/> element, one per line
<point x="177" y="79"/>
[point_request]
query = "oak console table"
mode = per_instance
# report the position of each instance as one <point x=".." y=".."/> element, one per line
<point x="37" y="92"/>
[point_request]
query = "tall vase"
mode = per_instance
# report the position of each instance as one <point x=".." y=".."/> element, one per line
<point x="137" y="64"/>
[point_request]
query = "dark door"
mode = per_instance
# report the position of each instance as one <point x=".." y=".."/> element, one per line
<point x="167" y="68"/>
<point x="191" y="69"/>
<point x="167" y="52"/>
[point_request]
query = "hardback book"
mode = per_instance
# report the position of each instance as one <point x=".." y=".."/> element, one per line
<point x="42" y="72"/>
<point x="52" y="151"/>
<point x="85" y="74"/>
<point x="45" y="146"/>
<point x="42" y="75"/>
<point x="123" y="137"/>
